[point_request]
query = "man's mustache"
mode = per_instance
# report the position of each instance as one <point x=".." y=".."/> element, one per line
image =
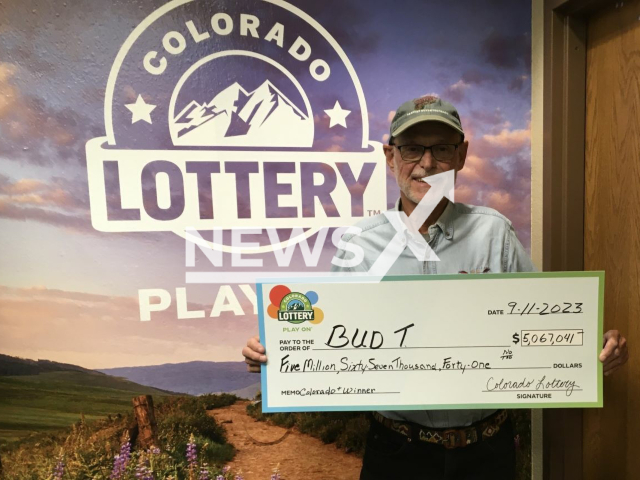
<point x="419" y="177"/>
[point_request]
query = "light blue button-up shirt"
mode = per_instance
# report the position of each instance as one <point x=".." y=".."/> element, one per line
<point x="466" y="239"/>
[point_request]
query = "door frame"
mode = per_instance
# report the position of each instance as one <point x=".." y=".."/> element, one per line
<point x="562" y="177"/>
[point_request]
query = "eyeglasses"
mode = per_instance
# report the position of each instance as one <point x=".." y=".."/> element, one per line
<point x="444" y="152"/>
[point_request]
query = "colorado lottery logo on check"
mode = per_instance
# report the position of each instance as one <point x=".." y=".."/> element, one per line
<point x="294" y="307"/>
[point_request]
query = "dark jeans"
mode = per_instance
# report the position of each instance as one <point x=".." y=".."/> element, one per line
<point x="389" y="455"/>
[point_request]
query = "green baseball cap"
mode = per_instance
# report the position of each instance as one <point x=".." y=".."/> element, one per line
<point x="428" y="108"/>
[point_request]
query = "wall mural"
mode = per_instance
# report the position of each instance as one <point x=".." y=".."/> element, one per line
<point x="158" y="157"/>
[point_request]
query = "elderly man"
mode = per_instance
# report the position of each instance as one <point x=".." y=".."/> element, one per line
<point x="427" y="138"/>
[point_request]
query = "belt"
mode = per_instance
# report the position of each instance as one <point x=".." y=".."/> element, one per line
<point x="447" y="437"/>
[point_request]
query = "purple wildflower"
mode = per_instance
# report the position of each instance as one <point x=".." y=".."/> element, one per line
<point x="121" y="461"/>
<point x="154" y="451"/>
<point x="192" y="454"/>
<point x="58" y="471"/>
<point x="204" y="474"/>
<point x="275" y="476"/>
<point x="220" y="477"/>
<point x="225" y="469"/>
<point x="143" y="470"/>
<point x="238" y="477"/>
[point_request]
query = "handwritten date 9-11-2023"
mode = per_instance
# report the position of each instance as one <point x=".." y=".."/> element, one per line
<point x="535" y="309"/>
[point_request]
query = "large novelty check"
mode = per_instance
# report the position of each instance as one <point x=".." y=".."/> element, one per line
<point x="521" y="340"/>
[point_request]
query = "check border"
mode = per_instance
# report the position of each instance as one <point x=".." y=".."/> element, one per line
<point x="399" y="278"/>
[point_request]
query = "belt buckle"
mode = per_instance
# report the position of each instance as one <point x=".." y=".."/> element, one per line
<point x="453" y="438"/>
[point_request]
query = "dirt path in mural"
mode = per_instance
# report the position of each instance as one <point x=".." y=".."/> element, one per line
<point x="300" y="456"/>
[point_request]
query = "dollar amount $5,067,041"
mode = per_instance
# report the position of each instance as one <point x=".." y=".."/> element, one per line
<point x="549" y="338"/>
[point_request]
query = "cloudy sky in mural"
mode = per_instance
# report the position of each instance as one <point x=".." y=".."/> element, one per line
<point x="70" y="293"/>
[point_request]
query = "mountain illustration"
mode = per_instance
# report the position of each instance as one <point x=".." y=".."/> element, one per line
<point x="264" y="117"/>
<point x="194" y="378"/>
<point x="296" y="305"/>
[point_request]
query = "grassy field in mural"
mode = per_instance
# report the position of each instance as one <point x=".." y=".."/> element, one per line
<point x="53" y="400"/>
<point x="191" y="445"/>
<point x="61" y="421"/>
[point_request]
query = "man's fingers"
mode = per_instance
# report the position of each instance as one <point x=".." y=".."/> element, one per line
<point x="248" y="361"/>
<point x="620" y="357"/>
<point x="615" y="362"/>
<point x="622" y="345"/>
<point x="609" y="348"/>
<point x="612" y="360"/>
<point x="255" y="345"/>
<point x="612" y="366"/>
<point x="253" y="355"/>
<point x="252" y="366"/>
<point x="621" y="353"/>
<point x="253" y="369"/>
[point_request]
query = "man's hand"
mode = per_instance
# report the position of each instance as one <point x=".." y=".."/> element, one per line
<point x="615" y="353"/>
<point x="254" y="354"/>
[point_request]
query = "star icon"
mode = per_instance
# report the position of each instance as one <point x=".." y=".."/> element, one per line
<point x="337" y="115"/>
<point x="140" y="110"/>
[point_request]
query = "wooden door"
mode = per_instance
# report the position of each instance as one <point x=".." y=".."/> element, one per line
<point x="611" y="436"/>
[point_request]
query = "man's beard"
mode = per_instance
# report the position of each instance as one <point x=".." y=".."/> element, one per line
<point x="411" y="195"/>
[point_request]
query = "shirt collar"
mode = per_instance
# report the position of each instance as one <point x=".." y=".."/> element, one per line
<point x="444" y="222"/>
